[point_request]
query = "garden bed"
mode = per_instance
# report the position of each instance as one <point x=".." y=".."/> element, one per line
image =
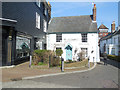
<point x="78" y="64"/>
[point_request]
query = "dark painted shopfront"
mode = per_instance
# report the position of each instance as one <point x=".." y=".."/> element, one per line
<point x="16" y="46"/>
<point x="19" y="31"/>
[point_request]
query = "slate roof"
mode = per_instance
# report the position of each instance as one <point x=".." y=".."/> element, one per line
<point x="102" y="27"/>
<point x="72" y="24"/>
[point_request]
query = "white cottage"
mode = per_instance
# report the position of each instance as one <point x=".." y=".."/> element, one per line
<point x="111" y="43"/>
<point x="74" y="34"/>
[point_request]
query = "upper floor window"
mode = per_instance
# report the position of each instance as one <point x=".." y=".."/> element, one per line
<point x="37" y="20"/>
<point x="58" y="37"/>
<point x="45" y="25"/>
<point x="38" y="2"/>
<point x="45" y="11"/>
<point x="84" y="37"/>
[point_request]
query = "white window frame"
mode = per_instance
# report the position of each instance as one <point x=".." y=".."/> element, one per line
<point x="37" y="20"/>
<point x="84" y="37"/>
<point x="58" y="37"/>
<point x="45" y="25"/>
<point x="113" y="51"/>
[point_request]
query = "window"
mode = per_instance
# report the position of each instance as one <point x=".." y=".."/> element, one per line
<point x="84" y="37"/>
<point x="45" y="25"/>
<point x="108" y="51"/>
<point x="46" y="10"/>
<point x="58" y="37"/>
<point x="43" y="8"/>
<point x="85" y="51"/>
<point x="37" y="20"/>
<point x="38" y="2"/>
<point x="22" y="47"/>
<point x="113" y="51"/>
<point x="115" y="40"/>
<point x="58" y="48"/>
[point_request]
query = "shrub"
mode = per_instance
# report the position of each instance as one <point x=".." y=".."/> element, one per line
<point x="59" y="52"/>
<point x="81" y="55"/>
<point x="41" y="63"/>
<point x="54" y="61"/>
<point x="70" y="61"/>
<point x="41" y="57"/>
<point x="113" y="57"/>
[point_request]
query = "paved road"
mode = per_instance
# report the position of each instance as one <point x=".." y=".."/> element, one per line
<point x="100" y="77"/>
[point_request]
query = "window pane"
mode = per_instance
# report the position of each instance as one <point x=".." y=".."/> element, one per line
<point x="58" y="37"/>
<point x="84" y="37"/>
<point x="37" y="20"/>
<point x="22" y="47"/>
<point x="85" y="50"/>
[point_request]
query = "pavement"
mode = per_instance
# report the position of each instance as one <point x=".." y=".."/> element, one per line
<point x="23" y="71"/>
<point x="102" y="76"/>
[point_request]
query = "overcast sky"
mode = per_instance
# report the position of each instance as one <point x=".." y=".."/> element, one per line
<point x="106" y="11"/>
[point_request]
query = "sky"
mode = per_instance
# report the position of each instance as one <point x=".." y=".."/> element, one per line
<point x="119" y="13"/>
<point x="107" y="12"/>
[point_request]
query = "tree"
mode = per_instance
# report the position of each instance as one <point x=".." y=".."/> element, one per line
<point x="59" y="52"/>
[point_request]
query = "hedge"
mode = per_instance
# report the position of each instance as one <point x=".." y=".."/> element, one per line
<point x="113" y="57"/>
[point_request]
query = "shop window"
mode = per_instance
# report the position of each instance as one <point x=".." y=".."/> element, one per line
<point x="22" y="47"/>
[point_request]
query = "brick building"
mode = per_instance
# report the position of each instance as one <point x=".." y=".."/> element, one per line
<point x="103" y="31"/>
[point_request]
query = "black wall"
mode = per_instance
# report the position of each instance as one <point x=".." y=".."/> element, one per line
<point x="25" y="14"/>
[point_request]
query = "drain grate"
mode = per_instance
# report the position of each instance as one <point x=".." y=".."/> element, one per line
<point x="16" y="79"/>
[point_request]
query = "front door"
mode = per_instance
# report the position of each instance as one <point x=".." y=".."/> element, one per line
<point x="68" y="52"/>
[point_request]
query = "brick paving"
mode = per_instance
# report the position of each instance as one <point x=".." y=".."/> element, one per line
<point x="23" y="70"/>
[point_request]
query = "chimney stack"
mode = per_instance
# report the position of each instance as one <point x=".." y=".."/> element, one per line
<point x="113" y="26"/>
<point x="94" y="12"/>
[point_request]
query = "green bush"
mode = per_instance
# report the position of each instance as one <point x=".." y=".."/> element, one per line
<point x="113" y="57"/>
<point x="70" y="61"/>
<point x="59" y="52"/>
<point x="41" y="63"/>
<point x="41" y="57"/>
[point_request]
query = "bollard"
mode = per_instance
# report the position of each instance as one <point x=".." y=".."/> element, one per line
<point x="49" y="61"/>
<point x="62" y="64"/>
<point x="30" y="61"/>
<point x="93" y="60"/>
<point x="88" y="62"/>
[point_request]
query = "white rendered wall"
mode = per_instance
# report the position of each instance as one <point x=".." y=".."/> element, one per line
<point x="74" y="39"/>
<point x="112" y="42"/>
